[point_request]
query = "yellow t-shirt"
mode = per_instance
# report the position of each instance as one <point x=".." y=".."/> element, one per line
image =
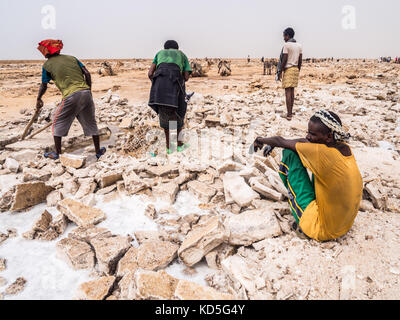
<point x="338" y="191"/>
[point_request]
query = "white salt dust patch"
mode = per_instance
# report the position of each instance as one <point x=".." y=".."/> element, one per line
<point x="386" y="145"/>
<point x="7" y="181"/>
<point x="48" y="278"/>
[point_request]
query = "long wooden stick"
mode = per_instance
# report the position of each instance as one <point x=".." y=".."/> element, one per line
<point x="39" y="131"/>
<point x="29" y="125"/>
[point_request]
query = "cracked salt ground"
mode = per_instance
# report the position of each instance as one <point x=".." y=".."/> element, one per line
<point x="50" y="278"/>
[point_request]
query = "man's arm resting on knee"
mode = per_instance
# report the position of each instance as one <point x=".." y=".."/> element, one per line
<point x="279" y="142"/>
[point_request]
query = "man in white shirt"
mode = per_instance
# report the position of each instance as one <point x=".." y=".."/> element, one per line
<point x="290" y="65"/>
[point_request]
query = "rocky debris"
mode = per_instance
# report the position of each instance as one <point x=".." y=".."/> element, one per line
<point x="44" y="228"/>
<point x="150" y="212"/>
<point x="127" y="286"/>
<point x="72" y="160"/>
<point x="3" y="237"/>
<point x="15" y="288"/>
<point x="109" y="179"/>
<point x="166" y="191"/>
<point x="151" y="255"/>
<point x="12" y="165"/>
<point x="79" y="213"/>
<point x="378" y="198"/>
<point x="220" y="253"/>
<point x="133" y="183"/>
<point x="87" y="186"/>
<point x="162" y="171"/>
<point x="29" y="194"/>
<point x="31" y="174"/>
<point x="109" y="251"/>
<point x="78" y="254"/>
<point x="97" y="289"/>
<point x="3" y="282"/>
<point x="264" y="190"/>
<point x="252" y="226"/>
<point x="187" y="290"/>
<point x="3" y="264"/>
<point x="142" y="236"/>
<point x="155" y="285"/>
<point x="237" y="190"/>
<point x="54" y="198"/>
<point x="201" y="190"/>
<point x="201" y="240"/>
<point x="88" y="232"/>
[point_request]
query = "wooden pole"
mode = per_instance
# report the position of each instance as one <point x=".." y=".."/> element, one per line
<point x="29" y="125"/>
<point x="39" y="130"/>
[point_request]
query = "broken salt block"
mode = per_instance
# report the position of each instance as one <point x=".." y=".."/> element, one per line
<point x="29" y="194"/>
<point x="54" y="197"/>
<point x="155" y="285"/>
<point x="3" y="265"/>
<point x="72" y="160"/>
<point x="264" y="190"/>
<point x="187" y="290"/>
<point x="126" y="123"/>
<point x="79" y="213"/>
<point x="166" y="191"/>
<point x="203" y="191"/>
<point x="379" y="199"/>
<point x="238" y="189"/>
<point x="201" y="240"/>
<point x="109" y="251"/>
<point x="78" y="254"/>
<point x="97" y="289"/>
<point x="12" y="165"/>
<point x="252" y="226"/>
<point x="16" y="287"/>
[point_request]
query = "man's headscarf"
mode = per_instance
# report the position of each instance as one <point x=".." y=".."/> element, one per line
<point x="339" y="133"/>
<point x="50" y="47"/>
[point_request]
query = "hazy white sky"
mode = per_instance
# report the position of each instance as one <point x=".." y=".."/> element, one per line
<point x="212" y="28"/>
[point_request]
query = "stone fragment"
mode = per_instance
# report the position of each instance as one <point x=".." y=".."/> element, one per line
<point x="142" y="236"/>
<point x="109" y="251"/>
<point x="378" y="198"/>
<point x="220" y="253"/>
<point x="16" y="287"/>
<point x="59" y="224"/>
<point x="72" y="160"/>
<point x="89" y="232"/>
<point x="128" y="263"/>
<point x="109" y="179"/>
<point x="43" y="223"/>
<point x="238" y="190"/>
<point x="155" y="285"/>
<point x="3" y="264"/>
<point x="203" y="191"/>
<point x="156" y="254"/>
<point x="97" y="289"/>
<point x="252" y="226"/>
<point x="78" y="254"/>
<point x="187" y="290"/>
<point x="29" y="194"/>
<point x="366" y="205"/>
<point x="265" y="191"/>
<point x="201" y="240"/>
<point x="240" y="271"/>
<point x="133" y="183"/>
<point x="127" y="287"/>
<point x="161" y="171"/>
<point x="3" y="282"/>
<point x="31" y="174"/>
<point x="79" y="213"/>
<point x="150" y="212"/>
<point x="54" y="198"/>
<point x="12" y="165"/>
<point x="166" y="191"/>
<point x="126" y="123"/>
<point x="229" y="166"/>
<point x="87" y="186"/>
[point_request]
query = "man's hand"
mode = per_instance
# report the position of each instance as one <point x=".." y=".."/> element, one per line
<point x="39" y="104"/>
<point x="258" y="144"/>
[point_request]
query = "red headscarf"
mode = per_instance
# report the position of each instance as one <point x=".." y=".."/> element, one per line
<point x="50" y="47"/>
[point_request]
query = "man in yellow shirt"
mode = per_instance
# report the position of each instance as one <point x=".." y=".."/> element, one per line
<point x="326" y="206"/>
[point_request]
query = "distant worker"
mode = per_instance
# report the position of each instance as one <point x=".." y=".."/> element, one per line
<point x="268" y="66"/>
<point x="262" y="59"/>
<point x="168" y="73"/>
<point x="248" y="59"/>
<point x="74" y="81"/>
<point x="289" y="67"/>
<point x="324" y="207"/>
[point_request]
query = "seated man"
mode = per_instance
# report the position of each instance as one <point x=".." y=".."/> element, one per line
<point x="325" y="207"/>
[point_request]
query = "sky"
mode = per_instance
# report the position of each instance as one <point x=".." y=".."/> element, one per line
<point x="123" y="29"/>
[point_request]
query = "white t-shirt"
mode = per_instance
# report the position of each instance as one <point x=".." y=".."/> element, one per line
<point x="293" y="50"/>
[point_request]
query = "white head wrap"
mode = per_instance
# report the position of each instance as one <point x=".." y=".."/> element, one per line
<point x="339" y="133"/>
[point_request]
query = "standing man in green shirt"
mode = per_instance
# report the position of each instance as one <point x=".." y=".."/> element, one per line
<point x="168" y="73"/>
<point x="74" y="81"/>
